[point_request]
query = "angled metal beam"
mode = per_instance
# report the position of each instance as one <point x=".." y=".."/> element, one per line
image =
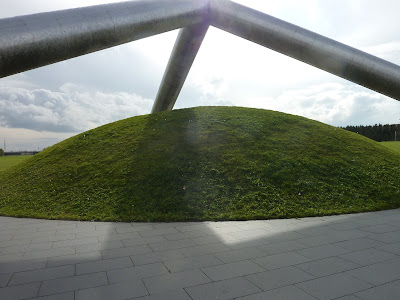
<point x="182" y="57"/>
<point x="307" y="46"/>
<point x="32" y="41"/>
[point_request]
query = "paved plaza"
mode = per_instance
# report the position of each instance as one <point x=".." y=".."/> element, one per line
<point x="338" y="257"/>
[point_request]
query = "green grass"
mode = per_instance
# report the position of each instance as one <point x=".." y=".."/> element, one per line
<point x="11" y="160"/>
<point x="205" y="163"/>
<point x="392" y="145"/>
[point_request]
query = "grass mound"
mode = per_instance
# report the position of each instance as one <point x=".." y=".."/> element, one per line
<point x="204" y="163"/>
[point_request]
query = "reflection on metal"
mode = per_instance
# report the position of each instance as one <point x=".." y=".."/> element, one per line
<point x="33" y="41"/>
<point x="309" y="47"/>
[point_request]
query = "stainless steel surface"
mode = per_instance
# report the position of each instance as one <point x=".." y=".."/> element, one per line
<point x="185" y="50"/>
<point x="309" y="47"/>
<point x="32" y="41"/>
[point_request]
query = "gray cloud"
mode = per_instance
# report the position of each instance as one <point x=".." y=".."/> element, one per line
<point x="123" y="68"/>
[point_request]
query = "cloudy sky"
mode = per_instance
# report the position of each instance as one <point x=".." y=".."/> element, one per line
<point x="44" y="106"/>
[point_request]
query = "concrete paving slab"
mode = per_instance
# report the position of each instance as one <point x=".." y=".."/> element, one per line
<point x="379" y="273"/>
<point x="23" y="291"/>
<point x="237" y="244"/>
<point x="391" y="248"/>
<point x="280" y="260"/>
<point x="98" y="246"/>
<point x="324" y="251"/>
<point x="179" y="294"/>
<point x="288" y="293"/>
<point x="387" y="291"/>
<point x="382" y="228"/>
<point x="73" y="259"/>
<point x="171" y="245"/>
<point x="388" y="237"/>
<point x="154" y="232"/>
<point x="107" y="237"/>
<point x="339" y="225"/>
<point x="278" y="278"/>
<point x="4" y="279"/>
<point x="137" y="241"/>
<point x="327" y="266"/>
<point x="230" y="270"/>
<point x="368" y="256"/>
<point x="62" y="296"/>
<point x="54" y="238"/>
<point x="282" y="247"/>
<point x="179" y="265"/>
<point x="346" y="257"/>
<point x="239" y="254"/>
<point x="48" y="253"/>
<point x="118" y="291"/>
<point x="333" y="286"/>
<point x="204" y="249"/>
<point x="175" y="281"/>
<point x="137" y="272"/>
<point x="103" y="265"/>
<point x="127" y="251"/>
<point x="213" y="239"/>
<point x="11" y="257"/>
<point x="348" y="297"/>
<point x="20" y="266"/>
<point x="41" y="275"/>
<point x="75" y="242"/>
<point x="153" y="257"/>
<point x="55" y="286"/>
<point x="185" y="235"/>
<point x="11" y="243"/>
<point x="225" y="289"/>
<point x="134" y="228"/>
<point x="359" y="244"/>
<point x="26" y="248"/>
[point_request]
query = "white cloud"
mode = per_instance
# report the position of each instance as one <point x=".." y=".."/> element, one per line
<point x="333" y="103"/>
<point x="20" y="139"/>
<point x="72" y="108"/>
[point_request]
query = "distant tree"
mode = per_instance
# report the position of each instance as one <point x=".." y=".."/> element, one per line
<point x="1" y="152"/>
<point x="378" y="132"/>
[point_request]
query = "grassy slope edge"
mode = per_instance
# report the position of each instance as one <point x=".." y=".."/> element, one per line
<point x="205" y="163"/>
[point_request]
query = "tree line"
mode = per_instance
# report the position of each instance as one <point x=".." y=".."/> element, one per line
<point x="377" y="132"/>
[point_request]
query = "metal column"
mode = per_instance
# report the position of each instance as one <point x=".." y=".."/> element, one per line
<point x="185" y="50"/>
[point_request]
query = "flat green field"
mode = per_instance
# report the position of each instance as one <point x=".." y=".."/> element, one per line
<point x="12" y="160"/>
<point x="392" y="145"/>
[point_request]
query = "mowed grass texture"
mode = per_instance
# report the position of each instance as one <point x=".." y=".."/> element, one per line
<point x="11" y="160"/>
<point x="205" y="163"/>
<point x="392" y="145"/>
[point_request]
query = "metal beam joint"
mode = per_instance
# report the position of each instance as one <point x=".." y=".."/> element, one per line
<point x="33" y="41"/>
